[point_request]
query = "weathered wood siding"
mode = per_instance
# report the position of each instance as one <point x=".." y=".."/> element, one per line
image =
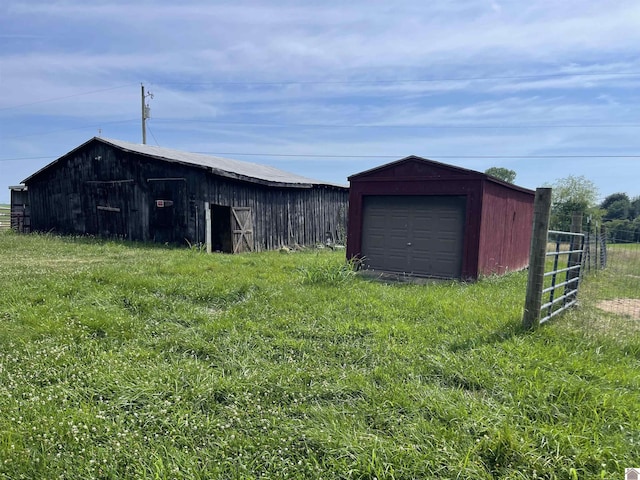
<point x="105" y="191"/>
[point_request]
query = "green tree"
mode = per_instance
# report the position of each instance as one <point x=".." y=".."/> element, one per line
<point x="634" y="208"/>
<point x="617" y="206"/>
<point x="618" y="210"/>
<point x="572" y="194"/>
<point x="636" y="229"/>
<point x="621" y="218"/>
<point x="614" y="197"/>
<point x="620" y="231"/>
<point x="502" y="173"/>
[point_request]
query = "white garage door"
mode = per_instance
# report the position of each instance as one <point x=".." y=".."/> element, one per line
<point x="420" y="235"/>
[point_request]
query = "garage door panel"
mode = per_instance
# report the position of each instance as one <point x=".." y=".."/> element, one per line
<point x="423" y="235"/>
<point x="378" y="243"/>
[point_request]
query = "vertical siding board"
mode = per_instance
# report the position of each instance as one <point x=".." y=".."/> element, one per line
<point x="301" y="234"/>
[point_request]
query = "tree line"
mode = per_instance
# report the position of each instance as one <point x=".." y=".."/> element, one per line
<point x="618" y="213"/>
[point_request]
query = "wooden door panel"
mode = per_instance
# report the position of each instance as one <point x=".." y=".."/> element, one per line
<point x="242" y="229"/>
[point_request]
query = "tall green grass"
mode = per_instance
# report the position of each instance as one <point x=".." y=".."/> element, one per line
<point x="134" y="361"/>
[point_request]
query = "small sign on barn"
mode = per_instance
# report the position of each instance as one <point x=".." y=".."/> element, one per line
<point x="164" y="203"/>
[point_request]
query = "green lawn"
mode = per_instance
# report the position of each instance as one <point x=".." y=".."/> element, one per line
<point x="128" y="361"/>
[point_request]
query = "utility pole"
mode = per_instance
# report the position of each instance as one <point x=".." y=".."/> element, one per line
<point x="146" y="113"/>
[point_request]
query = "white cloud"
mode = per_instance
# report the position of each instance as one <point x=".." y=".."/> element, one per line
<point x="210" y="65"/>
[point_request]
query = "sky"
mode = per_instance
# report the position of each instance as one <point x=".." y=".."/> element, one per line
<point x="328" y="89"/>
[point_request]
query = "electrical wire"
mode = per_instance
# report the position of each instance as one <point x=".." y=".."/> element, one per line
<point x="154" y="137"/>
<point x="415" y="80"/>
<point x="98" y="125"/>
<point x="340" y="126"/>
<point x="24" y="158"/>
<point x="64" y="97"/>
<point x="342" y="82"/>
<point x="399" y="126"/>
<point x="354" y="126"/>
<point x="311" y="155"/>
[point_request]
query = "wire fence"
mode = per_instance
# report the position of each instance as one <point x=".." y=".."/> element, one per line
<point x="5" y="218"/>
<point x="604" y="268"/>
<point x="17" y="219"/>
<point x="595" y="254"/>
<point x="613" y="286"/>
<point x="591" y="270"/>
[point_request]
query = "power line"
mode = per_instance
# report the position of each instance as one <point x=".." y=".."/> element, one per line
<point x="342" y="126"/>
<point x="397" y="126"/>
<point x="69" y="129"/>
<point x="64" y="97"/>
<point x="341" y="82"/>
<point x="154" y="137"/>
<point x="415" y="80"/>
<point x="311" y="155"/>
<point x="24" y="158"/>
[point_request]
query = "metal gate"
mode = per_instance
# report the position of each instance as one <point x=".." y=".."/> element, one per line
<point x="563" y="272"/>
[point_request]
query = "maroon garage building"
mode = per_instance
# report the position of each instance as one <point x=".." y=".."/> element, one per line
<point x="425" y="218"/>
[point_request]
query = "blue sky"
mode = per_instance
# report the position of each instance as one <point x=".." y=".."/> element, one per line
<point x="328" y="89"/>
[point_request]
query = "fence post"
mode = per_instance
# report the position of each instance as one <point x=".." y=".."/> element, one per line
<point x="587" y="260"/>
<point x="596" y="258"/>
<point x="603" y="246"/>
<point x="537" y="258"/>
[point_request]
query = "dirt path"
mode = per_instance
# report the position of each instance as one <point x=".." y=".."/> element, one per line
<point x="622" y="306"/>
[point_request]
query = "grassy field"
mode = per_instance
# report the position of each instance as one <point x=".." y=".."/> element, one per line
<point x="130" y="362"/>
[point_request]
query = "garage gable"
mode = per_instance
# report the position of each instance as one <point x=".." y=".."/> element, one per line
<point x="412" y="167"/>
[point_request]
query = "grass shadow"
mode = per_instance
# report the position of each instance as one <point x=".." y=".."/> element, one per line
<point x="508" y="331"/>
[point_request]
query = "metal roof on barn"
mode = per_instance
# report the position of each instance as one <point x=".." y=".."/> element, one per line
<point x="225" y="167"/>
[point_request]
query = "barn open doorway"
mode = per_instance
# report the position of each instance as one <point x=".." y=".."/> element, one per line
<point x="221" y="235"/>
<point x="231" y="229"/>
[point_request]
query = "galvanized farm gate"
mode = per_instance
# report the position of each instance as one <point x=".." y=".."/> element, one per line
<point x="563" y="278"/>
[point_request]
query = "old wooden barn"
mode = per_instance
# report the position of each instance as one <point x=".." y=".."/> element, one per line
<point x="425" y="218"/>
<point x="112" y="188"/>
